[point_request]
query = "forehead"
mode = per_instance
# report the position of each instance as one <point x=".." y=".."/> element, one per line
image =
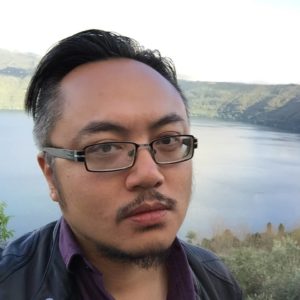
<point x="117" y="90"/>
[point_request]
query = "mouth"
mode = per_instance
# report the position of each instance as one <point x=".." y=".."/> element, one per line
<point x="147" y="209"/>
<point x="148" y="214"/>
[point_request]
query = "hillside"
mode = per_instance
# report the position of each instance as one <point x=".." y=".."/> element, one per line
<point x="271" y="105"/>
<point x="15" y="72"/>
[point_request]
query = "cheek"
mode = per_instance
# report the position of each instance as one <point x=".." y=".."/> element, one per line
<point x="89" y="194"/>
<point x="183" y="176"/>
<point x="180" y="182"/>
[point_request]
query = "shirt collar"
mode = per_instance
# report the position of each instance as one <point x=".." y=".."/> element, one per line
<point x="181" y="282"/>
<point x="68" y="246"/>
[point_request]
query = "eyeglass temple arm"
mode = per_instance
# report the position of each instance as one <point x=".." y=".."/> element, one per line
<point x="65" y="153"/>
<point x="188" y="142"/>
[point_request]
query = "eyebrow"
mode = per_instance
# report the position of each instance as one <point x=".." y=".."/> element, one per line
<point x="106" y="126"/>
<point x="99" y="126"/>
<point x="165" y="120"/>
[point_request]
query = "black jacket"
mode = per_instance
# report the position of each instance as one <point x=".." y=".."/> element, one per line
<point x="31" y="268"/>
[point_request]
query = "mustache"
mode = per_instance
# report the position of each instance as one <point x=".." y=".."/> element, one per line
<point x="150" y="195"/>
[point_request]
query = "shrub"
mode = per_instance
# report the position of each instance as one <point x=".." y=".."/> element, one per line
<point x="265" y="275"/>
<point x="5" y="234"/>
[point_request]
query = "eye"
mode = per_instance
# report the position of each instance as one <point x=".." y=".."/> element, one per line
<point x="104" y="148"/>
<point x="169" y="140"/>
<point x="168" y="143"/>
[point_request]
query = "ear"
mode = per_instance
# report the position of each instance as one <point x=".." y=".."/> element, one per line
<point x="49" y="175"/>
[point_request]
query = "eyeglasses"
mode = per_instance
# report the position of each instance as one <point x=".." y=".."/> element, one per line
<point x="115" y="156"/>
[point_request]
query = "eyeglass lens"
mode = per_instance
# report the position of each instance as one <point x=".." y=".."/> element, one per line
<point x="121" y="155"/>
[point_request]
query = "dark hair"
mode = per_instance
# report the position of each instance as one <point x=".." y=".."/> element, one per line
<point x="42" y="97"/>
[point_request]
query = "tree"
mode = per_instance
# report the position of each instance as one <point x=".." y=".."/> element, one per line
<point x="191" y="237"/>
<point x="269" y="230"/>
<point x="221" y="243"/>
<point x="5" y="233"/>
<point x="281" y="230"/>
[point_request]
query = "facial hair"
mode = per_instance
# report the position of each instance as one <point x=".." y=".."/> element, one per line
<point x="145" y="259"/>
<point x="153" y="256"/>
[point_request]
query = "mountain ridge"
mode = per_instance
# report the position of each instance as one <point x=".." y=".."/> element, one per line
<point x="274" y="105"/>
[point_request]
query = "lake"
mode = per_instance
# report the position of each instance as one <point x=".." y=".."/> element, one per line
<point x="244" y="177"/>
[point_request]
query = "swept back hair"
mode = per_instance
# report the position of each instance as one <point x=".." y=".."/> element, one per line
<point x="42" y="99"/>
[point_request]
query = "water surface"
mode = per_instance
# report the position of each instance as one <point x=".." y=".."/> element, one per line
<point x="244" y="177"/>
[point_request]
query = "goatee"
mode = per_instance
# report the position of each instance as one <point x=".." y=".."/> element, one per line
<point x="144" y="259"/>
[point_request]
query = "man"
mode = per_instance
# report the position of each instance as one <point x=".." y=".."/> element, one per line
<point x="113" y="129"/>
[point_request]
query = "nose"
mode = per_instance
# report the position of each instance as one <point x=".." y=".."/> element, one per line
<point x="145" y="173"/>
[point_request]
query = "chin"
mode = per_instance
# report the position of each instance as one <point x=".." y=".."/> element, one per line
<point x="145" y="256"/>
<point x="153" y="236"/>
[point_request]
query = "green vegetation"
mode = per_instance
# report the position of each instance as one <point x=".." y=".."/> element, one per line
<point x="12" y="91"/>
<point x="5" y="233"/>
<point x="271" y="105"/>
<point x="267" y="264"/>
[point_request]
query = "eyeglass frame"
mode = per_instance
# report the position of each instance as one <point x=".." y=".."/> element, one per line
<point x="80" y="156"/>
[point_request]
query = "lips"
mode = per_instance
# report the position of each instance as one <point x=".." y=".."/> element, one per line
<point x="148" y="214"/>
<point x="144" y="208"/>
<point x="149" y="207"/>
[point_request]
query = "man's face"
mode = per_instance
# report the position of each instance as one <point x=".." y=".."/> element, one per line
<point x="135" y="210"/>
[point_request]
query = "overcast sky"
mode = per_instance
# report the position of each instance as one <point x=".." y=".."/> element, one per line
<point x="209" y="40"/>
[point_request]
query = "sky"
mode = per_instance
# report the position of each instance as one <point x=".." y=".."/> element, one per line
<point x="251" y="41"/>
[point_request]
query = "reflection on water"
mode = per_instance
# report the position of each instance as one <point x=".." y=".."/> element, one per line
<point x="244" y="177"/>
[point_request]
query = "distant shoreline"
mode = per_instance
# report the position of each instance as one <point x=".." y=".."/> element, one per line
<point x="11" y="109"/>
<point x="267" y="126"/>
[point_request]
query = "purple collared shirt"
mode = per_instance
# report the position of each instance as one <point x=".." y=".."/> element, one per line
<point x="90" y="280"/>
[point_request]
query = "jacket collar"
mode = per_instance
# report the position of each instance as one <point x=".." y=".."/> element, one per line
<point x="57" y="282"/>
